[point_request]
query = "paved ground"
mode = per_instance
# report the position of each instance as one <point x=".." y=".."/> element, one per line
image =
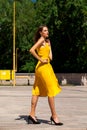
<point x="71" y="106"/>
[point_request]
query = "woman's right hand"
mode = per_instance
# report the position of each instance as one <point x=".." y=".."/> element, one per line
<point x="44" y="61"/>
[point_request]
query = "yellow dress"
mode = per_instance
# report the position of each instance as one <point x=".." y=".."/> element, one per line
<point x="46" y="83"/>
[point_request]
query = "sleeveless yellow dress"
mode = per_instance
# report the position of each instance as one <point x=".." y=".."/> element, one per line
<point x="46" y="83"/>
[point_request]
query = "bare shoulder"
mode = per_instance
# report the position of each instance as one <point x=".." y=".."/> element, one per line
<point x="41" y="40"/>
<point x="49" y="43"/>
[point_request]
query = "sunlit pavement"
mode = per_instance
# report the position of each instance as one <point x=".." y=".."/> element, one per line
<point x="71" y="106"/>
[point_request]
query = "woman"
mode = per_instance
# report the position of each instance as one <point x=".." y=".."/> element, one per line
<point x="46" y="83"/>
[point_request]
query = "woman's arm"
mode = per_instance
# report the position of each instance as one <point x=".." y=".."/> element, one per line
<point x="50" y="55"/>
<point x="33" y="50"/>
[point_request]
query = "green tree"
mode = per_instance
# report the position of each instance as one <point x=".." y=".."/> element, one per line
<point x="5" y="35"/>
<point x="70" y="36"/>
<point x="67" y="23"/>
<point x="25" y="16"/>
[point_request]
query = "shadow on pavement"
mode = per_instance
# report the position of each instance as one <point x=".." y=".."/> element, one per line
<point x="25" y="117"/>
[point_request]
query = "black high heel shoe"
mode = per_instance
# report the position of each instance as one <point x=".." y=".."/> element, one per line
<point x="32" y="121"/>
<point x="52" y="120"/>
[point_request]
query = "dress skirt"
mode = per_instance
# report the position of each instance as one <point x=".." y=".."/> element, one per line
<point x="46" y="83"/>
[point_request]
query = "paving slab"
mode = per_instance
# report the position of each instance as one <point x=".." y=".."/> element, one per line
<point x="71" y="106"/>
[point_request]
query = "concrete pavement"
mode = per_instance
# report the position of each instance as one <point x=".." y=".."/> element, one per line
<point x="71" y="106"/>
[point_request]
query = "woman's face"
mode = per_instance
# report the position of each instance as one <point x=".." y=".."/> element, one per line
<point x="44" y="32"/>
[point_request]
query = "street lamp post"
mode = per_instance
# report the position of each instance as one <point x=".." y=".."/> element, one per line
<point x="16" y="59"/>
<point x="14" y="82"/>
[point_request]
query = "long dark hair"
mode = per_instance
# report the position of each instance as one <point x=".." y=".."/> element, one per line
<point x="37" y="35"/>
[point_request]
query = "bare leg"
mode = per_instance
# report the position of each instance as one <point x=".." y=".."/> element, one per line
<point x="33" y="105"/>
<point x="52" y="108"/>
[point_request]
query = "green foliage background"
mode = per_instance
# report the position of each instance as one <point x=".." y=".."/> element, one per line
<point x="67" y="23"/>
